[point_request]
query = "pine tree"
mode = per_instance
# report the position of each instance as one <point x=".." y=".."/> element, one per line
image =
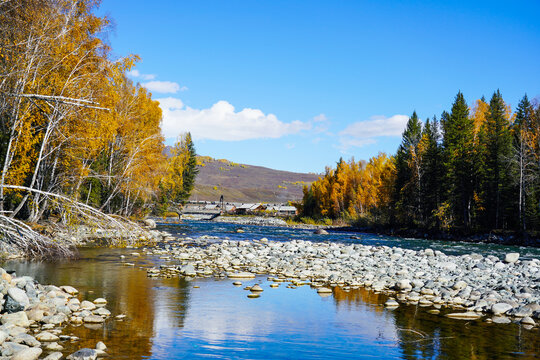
<point x="458" y="148"/>
<point x="407" y="187"/>
<point x="496" y="142"/>
<point x="431" y="168"/>
<point x="190" y="171"/>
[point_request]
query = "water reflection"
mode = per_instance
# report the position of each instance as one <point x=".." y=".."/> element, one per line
<point x="426" y="336"/>
<point x="99" y="273"/>
<point x="174" y="319"/>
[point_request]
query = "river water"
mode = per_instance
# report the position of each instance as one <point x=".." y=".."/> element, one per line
<point x="208" y="318"/>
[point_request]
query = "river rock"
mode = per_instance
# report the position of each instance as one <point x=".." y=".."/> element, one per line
<point x="102" y="312"/>
<point x="93" y="319"/>
<point x="19" y="296"/>
<point x="511" y="258"/>
<point x="27" y="354"/>
<point x="528" y="321"/>
<point x="500" y="308"/>
<point x="101" y="346"/>
<point x="321" y="232"/>
<point x="324" y="290"/>
<point x="403" y="285"/>
<point x="449" y="266"/>
<point x="87" y="305"/>
<point x="83" y="354"/>
<point x="47" y="336"/>
<point x="54" y="356"/>
<point x="16" y="319"/>
<point x="56" y="319"/>
<point x="69" y="290"/>
<point x="100" y="301"/>
<point x="459" y="285"/>
<point x="241" y="275"/>
<point x="256" y="288"/>
<point x="188" y="270"/>
<point x="11" y="348"/>
<point x="465" y="316"/>
<point x="54" y="346"/>
<point x="3" y="336"/>
<point x="429" y="252"/>
<point x="522" y="311"/>
<point x="35" y="314"/>
<point x="501" y="320"/>
<point x="26" y="339"/>
<point x="391" y="303"/>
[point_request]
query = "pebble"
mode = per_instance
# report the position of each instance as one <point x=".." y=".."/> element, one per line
<point x="256" y="288"/>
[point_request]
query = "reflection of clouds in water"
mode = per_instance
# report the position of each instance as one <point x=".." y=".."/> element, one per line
<point x="220" y="313"/>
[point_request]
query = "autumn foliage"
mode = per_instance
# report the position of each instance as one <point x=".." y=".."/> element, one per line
<point x="71" y="121"/>
<point x="474" y="169"/>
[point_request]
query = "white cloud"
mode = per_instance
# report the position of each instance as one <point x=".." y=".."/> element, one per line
<point x="222" y="122"/>
<point x="164" y="87"/>
<point x="136" y="74"/>
<point x="320" y="118"/>
<point x="363" y="133"/>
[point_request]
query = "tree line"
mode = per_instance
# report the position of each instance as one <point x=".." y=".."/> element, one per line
<point x="473" y="169"/>
<point x="73" y="123"/>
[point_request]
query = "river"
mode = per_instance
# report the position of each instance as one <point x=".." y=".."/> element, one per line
<point x="207" y="318"/>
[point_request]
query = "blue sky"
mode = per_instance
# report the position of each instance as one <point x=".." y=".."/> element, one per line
<point x="294" y="85"/>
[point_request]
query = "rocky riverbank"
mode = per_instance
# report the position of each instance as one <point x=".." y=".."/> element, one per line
<point x="499" y="289"/>
<point x="34" y="318"/>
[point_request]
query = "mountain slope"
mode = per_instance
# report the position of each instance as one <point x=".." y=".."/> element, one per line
<point x="246" y="183"/>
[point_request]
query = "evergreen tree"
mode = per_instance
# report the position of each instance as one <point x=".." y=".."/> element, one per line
<point x="190" y="171"/>
<point x="407" y="186"/>
<point x="521" y="164"/>
<point x="496" y="142"/>
<point x="458" y="148"/>
<point x="431" y="169"/>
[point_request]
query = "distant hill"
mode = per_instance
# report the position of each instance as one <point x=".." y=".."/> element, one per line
<point x="246" y="183"/>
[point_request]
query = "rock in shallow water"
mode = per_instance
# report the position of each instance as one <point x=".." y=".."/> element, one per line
<point x="47" y="336"/>
<point x="241" y="275"/>
<point x="83" y="354"/>
<point x="464" y="316"/>
<point x="500" y="308"/>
